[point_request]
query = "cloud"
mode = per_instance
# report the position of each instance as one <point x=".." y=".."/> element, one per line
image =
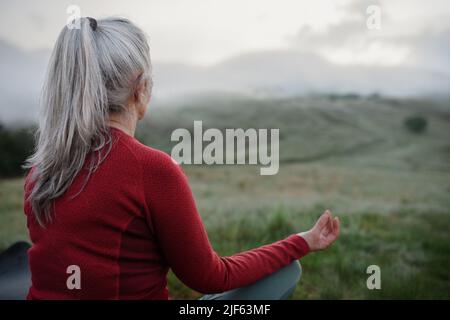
<point x="349" y="42"/>
<point x="260" y="47"/>
<point x="431" y="50"/>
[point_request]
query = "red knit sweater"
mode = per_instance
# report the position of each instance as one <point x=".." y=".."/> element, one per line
<point x="136" y="218"/>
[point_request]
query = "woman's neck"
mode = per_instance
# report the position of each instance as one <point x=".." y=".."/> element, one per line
<point x="126" y="123"/>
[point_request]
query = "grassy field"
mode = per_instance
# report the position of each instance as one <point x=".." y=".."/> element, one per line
<point x="390" y="187"/>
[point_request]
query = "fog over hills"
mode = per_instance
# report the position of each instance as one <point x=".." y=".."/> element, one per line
<point x="20" y="82"/>
<point x="263" y="73"/>
<point x="293" y="73"/>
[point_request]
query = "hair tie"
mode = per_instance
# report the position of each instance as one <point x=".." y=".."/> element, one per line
<point x="92" y="23"/>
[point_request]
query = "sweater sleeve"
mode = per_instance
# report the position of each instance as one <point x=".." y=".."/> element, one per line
<point x="184" y="243"/>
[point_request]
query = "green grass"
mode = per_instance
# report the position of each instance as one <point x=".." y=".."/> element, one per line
<point x="413" y="253"/>
<point x="404" y="235"/>
<point x="12" y="219"/>
<point x="391" y="189"/>
<point x="411" y="246"/>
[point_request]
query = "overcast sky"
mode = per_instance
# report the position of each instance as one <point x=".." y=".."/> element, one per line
<point x="251" y="47"/>
<point x="204" y="32"/>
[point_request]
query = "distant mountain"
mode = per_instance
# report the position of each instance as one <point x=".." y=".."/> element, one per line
<point x="285" y="73"/>
<point x="20" y="82"/>
<point x="264" y="73"/>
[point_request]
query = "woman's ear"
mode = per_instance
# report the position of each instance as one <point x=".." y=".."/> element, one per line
<point x="137" y="95"/>
<point x="140" y="99"/>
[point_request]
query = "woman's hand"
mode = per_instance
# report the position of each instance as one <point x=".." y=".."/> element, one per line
<point x="324" y="233"/>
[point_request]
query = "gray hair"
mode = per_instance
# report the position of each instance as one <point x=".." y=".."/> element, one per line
<point x="93" y="71"/>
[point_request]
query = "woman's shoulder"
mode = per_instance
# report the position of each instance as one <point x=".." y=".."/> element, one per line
<point x="149" y="157"/>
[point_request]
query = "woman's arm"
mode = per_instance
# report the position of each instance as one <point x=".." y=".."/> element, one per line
<point x="184" y="243"/>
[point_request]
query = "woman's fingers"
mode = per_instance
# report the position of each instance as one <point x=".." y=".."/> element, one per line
<point x="336" y="227"/>
<point x="328" y="228"/>
<point x="323" y="220"/>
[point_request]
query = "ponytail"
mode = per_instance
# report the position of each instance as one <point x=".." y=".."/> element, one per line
<point x="75" y="106"/>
